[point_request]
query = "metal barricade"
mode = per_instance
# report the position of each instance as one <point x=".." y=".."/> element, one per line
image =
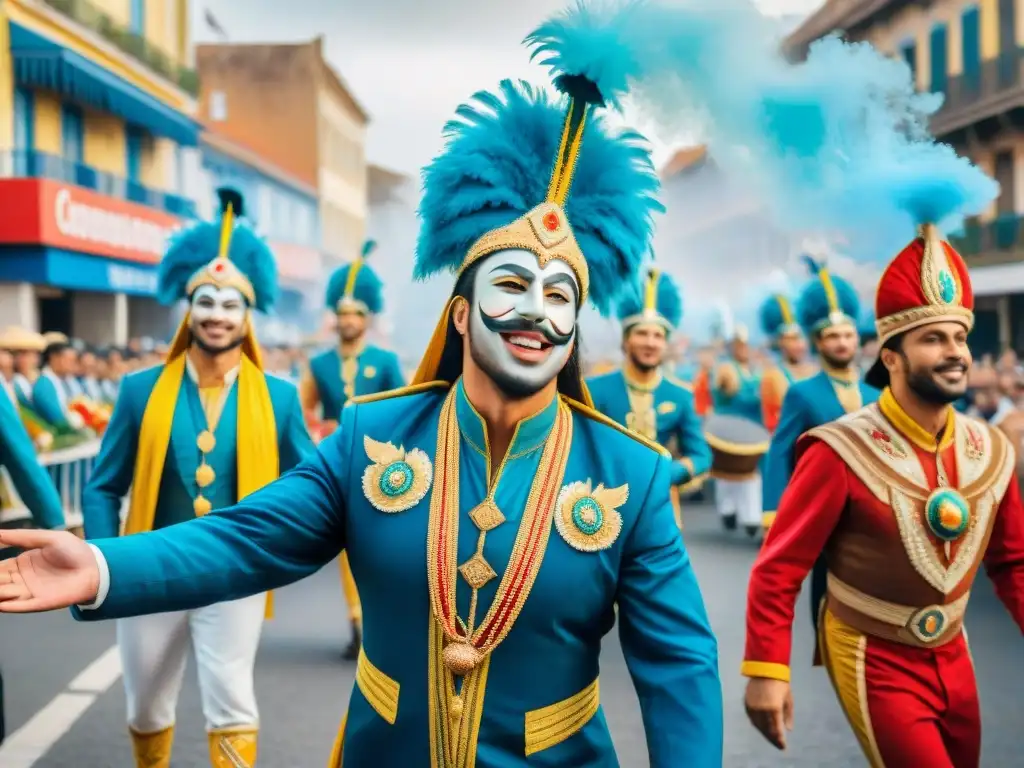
<point x="69" y="468"/>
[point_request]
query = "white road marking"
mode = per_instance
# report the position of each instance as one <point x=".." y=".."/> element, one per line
<point x="28" y="744"/>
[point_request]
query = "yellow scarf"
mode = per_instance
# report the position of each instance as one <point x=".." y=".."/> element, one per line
<point x="256" y="450"/>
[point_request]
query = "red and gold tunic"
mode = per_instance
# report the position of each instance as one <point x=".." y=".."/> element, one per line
<point x="904" y="535"/>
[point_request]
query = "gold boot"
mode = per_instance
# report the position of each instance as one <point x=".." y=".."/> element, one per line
<point x="233" y="748"/>
<point x="153" y="750"/>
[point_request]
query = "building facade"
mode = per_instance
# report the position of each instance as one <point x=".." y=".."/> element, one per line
<point x="98" y="161"/>
<point x="287" y="105"/>
<point x="284" y="210"/>
<point x="970" y="51"/>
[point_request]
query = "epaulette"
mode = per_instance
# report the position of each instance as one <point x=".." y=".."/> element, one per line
<point x="597" y="416"/>
<point x="671" y="377"/>
<point x="411" y="389"/>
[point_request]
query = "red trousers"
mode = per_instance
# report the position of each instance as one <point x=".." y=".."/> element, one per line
<point x="907" y="706"/>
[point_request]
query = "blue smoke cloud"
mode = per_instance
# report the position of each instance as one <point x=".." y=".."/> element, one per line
<point x="838" y="143"/>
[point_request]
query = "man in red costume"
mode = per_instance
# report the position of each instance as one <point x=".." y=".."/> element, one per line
<point x="906" y="498"/>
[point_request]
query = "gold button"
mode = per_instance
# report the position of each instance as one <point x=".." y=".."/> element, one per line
<point x="201" y="505"/>
<point x="205" y="475"/>
<point x="206" y="442"/>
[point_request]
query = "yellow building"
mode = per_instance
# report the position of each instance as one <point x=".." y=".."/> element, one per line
<point x="97" y="141"/>
<point x="971" y="51"/>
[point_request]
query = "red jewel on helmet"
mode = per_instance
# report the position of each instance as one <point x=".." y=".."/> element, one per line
<point x="218" y="267"/>
<point x="551" y="221"/>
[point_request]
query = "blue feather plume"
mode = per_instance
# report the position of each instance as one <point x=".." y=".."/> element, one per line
<point x="866" y="327"/>
<point x="197" y="244"/>
<point x="812" y="307"/>
<point x="668" y="300"/>
<point x="368" y="289"/>
<point x="496" y="167"/>
<point x="368" y="247"/>
<point x="770" y="314"/>
<point x="837" y="143"/>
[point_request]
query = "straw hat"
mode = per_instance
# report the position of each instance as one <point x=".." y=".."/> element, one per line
<point x="18" y="339"/>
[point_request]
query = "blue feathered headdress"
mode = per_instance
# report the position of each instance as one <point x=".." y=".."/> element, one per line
<point x="357" y="284"/>
<point x="826" y="300"/>
<point x="777" y="316"/>
<point x="199" y="243"/>
<point x="658" y="299"/>
<point x="511" y="151"/>
<point x="866" y="327"/>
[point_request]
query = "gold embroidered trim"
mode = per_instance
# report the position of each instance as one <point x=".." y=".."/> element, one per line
<point x="412" y="389"/>
<point x="894" y="614"/>
<point x="899" y="481"/>
<point x="915" y="317"/>
<point x="735" y="449"/>
<point x="556" y="723"/>
<point x="453" y="740"/>
<point x="380" y="691"/>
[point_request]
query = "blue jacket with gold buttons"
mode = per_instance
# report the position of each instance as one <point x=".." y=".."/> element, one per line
<point x="529" y="565"/>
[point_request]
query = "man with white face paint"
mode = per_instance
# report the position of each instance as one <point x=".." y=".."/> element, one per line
<point x="194" y="435"/>
<point x="491" y="462"/>
<point x="351" y="369"/>
<point x="642" y="397"/>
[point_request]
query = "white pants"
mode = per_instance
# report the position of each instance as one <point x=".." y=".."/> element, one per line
<point x="741" y="498"/>
<point x="154" y="651"/>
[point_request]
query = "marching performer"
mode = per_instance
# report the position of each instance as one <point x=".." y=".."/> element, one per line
<point x="779" y="324"/>
<point x="198" y="433"/>
<point x="642" y="398"/>
<point x="736" y="393"/>
<point x="908" y="498"/>
<point x="492" y="456"/>
<point x="828" y="309"/>
<point x="353" y="368"/>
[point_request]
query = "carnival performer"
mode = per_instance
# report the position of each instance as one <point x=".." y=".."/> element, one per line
<point x="779" y="324"/>
<point x="643" y="398"/>
<point x="736" y="391"/>
<point x="351" y="369"/>
<point x="198" y="433"/>
<point x="907" y="498"/>
<point x="493" y="457"/>
<point x="828" y="308"/>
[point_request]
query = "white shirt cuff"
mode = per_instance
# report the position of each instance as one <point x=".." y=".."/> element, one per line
<point x="104" y="588"/>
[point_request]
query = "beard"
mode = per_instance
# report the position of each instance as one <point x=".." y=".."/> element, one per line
<point x="922" y="383"/>
<point x="213" y="350"/>
<point x="643" y="366"/>
<point x="836" y="363"/>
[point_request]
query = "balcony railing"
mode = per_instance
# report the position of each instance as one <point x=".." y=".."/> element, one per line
<point x="999" y="240"/>
<point x="31" y="164"/>
<point x="135" y="45"/>
<point x="973" y="96"/>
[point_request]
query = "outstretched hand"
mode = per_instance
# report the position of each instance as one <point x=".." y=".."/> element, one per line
<point x="57" y="570"/>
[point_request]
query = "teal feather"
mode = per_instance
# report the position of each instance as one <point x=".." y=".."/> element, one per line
<point x="197" y="244"/>
<point x="812" y="307"/>
<point x="668" y="300"/>
<point x="368" y="289"/>
<point x="496" y="166"/>
<point x="770" y="314"/>
<point x="369" y="247"/>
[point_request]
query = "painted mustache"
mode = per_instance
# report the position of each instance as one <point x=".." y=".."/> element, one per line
<point x="519" y="323"/>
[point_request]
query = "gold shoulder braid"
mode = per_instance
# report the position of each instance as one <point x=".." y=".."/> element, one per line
<point x="459" y="648"/>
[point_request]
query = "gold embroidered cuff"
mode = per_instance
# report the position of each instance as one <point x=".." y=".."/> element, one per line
<point x="765" y="669"/>
<point x="380" y="691"/>
<point x="551" y="725"/>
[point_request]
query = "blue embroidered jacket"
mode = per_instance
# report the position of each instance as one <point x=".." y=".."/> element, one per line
<point x="677" y="426"/>
<point x="18" y="457"/>
<point x="746" y="401"/>
<point x="808" y="404"/>
<point x="538" y="695"/>
<point x="114" y="467"/>
<point x="378" y="371"/>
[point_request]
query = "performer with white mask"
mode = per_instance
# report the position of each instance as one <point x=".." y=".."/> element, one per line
<point x="196" y="434"/>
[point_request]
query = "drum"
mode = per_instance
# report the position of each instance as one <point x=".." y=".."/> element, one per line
<point x="737" y="445"/>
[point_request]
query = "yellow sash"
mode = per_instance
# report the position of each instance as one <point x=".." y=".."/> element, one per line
<point x="256" y="437"/>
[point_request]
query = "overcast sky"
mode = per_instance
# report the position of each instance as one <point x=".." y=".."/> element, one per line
<point x="410" y="63"/>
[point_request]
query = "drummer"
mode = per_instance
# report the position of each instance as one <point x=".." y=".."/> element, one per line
<point x="644" y="399"/>
<point x="736" y="391"/>
<point x="779" y="324"/>
<point x="828" y="310"/>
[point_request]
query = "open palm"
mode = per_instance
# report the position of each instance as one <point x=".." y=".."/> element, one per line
<point x="57" y="570"/>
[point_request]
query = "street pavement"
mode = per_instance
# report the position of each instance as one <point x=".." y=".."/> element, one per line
<point x="75" y="719"/>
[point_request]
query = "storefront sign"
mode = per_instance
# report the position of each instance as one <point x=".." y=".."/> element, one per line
<point x="48" y="213"/>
